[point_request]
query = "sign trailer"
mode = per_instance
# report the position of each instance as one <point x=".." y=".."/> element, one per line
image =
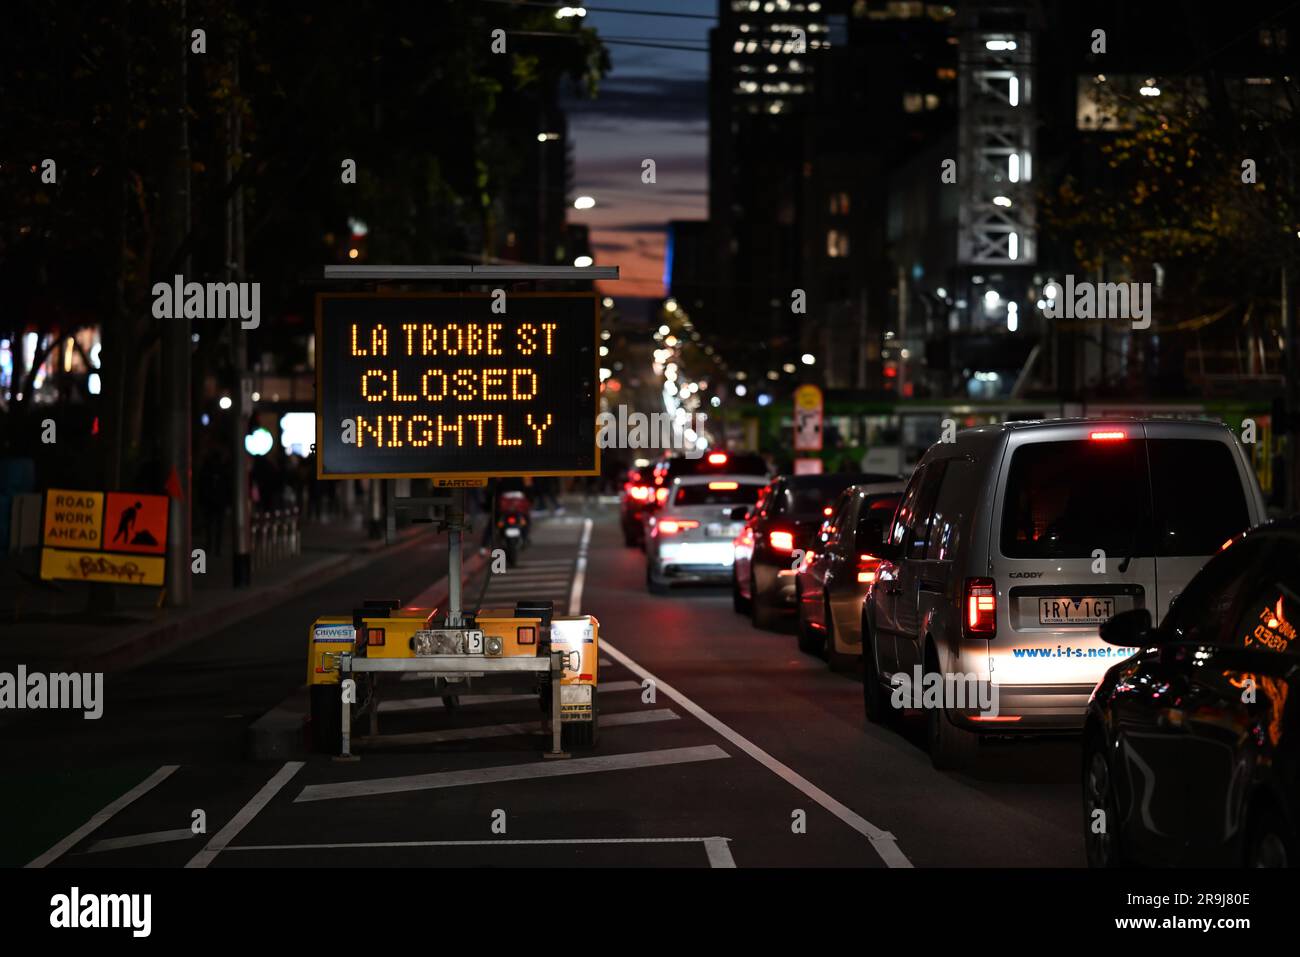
<point x="456" y="388"/>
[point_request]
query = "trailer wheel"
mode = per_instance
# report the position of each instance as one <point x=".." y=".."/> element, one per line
<point x="326" y="720"/>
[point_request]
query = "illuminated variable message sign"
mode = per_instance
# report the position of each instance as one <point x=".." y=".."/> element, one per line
<point x="426" y="385"/>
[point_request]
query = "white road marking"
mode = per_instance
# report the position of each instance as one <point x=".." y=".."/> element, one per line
<point x="426" y="704"/>
<point x="511" y="772"/>
<point x="719" y="852"/>
<point x="580" y="570"/>
<point x="558" y="575"/>
<point x="882" y="841"/>
<point x="141" y="840"/>
<point x="619" y="686"/>
<point x="100" y="818"/>
<point x="716" y="847"/>
<point x="246" y="814"/>
<point x="647" y="716"/>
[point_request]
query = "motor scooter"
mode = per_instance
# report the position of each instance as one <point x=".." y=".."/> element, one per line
<point x="514" y="519"/>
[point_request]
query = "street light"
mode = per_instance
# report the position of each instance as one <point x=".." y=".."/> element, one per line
<point x="582" y="262"/>
<point x="809" y="359"/>
<point x="584" y="202"/>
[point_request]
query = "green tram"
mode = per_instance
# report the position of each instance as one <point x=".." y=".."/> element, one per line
<point x="886" y="435"/>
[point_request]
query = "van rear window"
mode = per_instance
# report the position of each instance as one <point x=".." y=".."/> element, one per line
<point x="1199" y="499"/>
<point x="1065" y="499"/>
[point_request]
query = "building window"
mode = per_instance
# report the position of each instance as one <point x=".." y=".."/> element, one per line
<point x="913" y="102"/>
<point x="839" y="204"/>
<point x="1274" y="38"/>
<point x="837" y="243"/>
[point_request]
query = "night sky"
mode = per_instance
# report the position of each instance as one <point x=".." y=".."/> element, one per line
<point x="652" y="104"/>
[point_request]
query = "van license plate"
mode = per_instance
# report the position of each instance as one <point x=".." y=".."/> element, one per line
<point x="1075" y="611"/>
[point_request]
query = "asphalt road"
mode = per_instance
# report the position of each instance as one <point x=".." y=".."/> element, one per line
<point x="720" y="745"/>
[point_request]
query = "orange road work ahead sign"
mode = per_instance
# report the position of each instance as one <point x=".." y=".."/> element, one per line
<point x="73" y="519"/>
<point x="115" y="537"/>
<point x="135" y="523"/>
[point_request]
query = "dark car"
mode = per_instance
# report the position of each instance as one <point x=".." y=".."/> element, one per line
<point x="637" y="494"/>
<point x="778" y="531"/>
<point x="1191" y="744"/>
<point x="840" y="569"/>
<point x="659" y="479"/>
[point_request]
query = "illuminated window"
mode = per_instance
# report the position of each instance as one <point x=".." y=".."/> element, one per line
<point x="837" y="243"/>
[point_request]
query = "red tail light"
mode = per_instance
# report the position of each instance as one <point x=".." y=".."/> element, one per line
<point x="1110" y="435"/>
<point x="781" y="541"/>
<point x="827" y="511"/>
<point x="638" y="493"/>
<point x="671" y="526"/>
<point x="746" y="537"/>
<point x="661" y="495"/>
<point x="867" y="565"/>
<point x="981" y="608"/>
<point x="717" y="458"/>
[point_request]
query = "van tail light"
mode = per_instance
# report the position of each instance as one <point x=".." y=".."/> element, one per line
<point x="981" y="608"/>
<point x="671" y="526"/>
<point x="781" y="541"/>
<point x="867" y="565"/>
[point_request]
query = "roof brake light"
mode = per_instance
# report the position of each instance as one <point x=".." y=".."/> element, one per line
<point x="1112" y="435"/>
<point x="717" y="458"/>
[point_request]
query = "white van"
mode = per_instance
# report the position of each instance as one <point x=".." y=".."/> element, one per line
<point x="1013" y="543"/>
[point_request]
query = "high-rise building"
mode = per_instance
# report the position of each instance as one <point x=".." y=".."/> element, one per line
<point x="762" y="71"/>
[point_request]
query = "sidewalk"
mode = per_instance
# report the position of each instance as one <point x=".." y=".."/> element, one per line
<point x="56" y="633"/>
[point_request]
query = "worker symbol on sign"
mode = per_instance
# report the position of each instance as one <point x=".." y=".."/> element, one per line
<point x="138" y="523"/>
<point x="126" y="523"/>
